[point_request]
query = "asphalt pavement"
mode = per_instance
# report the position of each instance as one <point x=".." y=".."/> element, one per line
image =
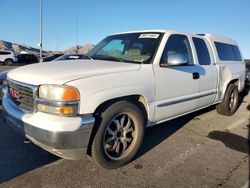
<point x="202" y="149"/>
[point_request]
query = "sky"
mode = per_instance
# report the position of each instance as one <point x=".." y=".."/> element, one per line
<point x="70" y="22"/>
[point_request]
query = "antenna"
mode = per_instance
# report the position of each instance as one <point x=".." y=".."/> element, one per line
<point x="77" y="33"/>
<point x="41" y="30"/>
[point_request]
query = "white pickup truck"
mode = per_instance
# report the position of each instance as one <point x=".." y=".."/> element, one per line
<point x="101" y="105"/>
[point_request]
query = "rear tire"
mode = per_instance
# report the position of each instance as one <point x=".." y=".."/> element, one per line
<point x="119" y="135"/>
<point x="8" y="62"/>
<point x="230" y="102"/>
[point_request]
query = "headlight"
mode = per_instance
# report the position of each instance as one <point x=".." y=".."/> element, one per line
<point x="59" y="93"/>
<point x="58" y="99"/>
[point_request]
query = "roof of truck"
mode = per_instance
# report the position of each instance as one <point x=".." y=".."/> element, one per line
<point x="209" y="36"/>
<point x="218" y="38"/>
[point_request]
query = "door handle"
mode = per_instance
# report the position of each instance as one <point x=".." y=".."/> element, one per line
<point x="196" y="75"/>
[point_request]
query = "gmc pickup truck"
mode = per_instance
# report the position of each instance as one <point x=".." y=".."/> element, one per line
<point x="101" y="105"/>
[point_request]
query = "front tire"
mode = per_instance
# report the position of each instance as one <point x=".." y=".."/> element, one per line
<point x="230" y="102"/>
<point x="119" y="135"/>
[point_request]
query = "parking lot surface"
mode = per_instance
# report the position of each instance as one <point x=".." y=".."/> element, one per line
<point x="202" y="149"/>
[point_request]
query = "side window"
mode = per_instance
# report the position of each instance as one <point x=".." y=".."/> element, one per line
<point x="177" y="44"/>
<point x="237" y="53"/>
<point x="4" y="53"/>
<point x="202" y="51"/>
<point x="225" y="51"/>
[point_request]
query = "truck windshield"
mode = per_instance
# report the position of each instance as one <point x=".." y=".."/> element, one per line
<point x="130" y="47"/>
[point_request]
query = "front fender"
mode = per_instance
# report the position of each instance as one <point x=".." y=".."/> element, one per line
<point x="98" y="89"/>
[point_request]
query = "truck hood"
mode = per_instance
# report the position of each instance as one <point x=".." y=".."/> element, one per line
<point x="60" y="72"/>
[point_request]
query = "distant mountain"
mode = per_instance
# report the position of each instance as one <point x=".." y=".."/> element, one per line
<point x="4" y="45"/>
<point x="80" y="49"/>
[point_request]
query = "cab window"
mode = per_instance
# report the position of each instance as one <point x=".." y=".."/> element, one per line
<point x="202" y="51"/>
<point x="228" y="52"/>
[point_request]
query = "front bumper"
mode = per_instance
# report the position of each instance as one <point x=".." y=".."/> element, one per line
<point x="66" y="137"/>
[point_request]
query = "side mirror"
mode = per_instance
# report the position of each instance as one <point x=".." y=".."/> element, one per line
<point x="175" y="59"/>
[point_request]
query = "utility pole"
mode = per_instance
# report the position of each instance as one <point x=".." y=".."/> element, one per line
<point x="41" y="31"/>
<point x="77" y="46"/>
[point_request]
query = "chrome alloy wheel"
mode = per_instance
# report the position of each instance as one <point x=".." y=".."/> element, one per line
<point x="119" y="136"/>
<point x="232" y="100"/>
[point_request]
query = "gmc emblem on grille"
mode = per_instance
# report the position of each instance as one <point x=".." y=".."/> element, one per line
<point x="14" y="93"/>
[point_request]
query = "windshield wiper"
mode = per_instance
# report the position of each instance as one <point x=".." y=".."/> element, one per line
<point x="107" y="57"/>
<point x="88" y="56"/>
<point x="112" y="58"/>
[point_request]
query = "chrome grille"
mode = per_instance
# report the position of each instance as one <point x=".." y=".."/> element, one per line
<point x="22" y="95"/>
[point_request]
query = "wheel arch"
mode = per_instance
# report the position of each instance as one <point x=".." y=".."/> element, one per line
<point x="138" y="100"/>
<point x="231" y="81"/>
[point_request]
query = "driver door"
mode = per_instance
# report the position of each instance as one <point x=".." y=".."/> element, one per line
<point x="176" y="87"/>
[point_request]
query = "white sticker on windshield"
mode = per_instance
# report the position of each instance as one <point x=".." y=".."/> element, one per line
<point x="149" y="35"/>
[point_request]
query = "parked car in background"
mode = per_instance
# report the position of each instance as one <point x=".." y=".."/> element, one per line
<point x="248" y="73"/>
<point x="51" y="57"/>
<point x="3" y="83"/>
<point x="71" y="57"/>
<point x="7" y="57"/>
<point x="27" y="58"/>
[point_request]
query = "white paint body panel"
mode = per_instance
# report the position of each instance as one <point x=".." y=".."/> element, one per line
<point x="97" y="89"/>
<point x="227" y="70"/>
<point x="60" y="72"/>
<point x="209" y="79"/>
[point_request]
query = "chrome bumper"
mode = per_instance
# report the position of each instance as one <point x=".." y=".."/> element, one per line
<point x="66" y="144"/>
